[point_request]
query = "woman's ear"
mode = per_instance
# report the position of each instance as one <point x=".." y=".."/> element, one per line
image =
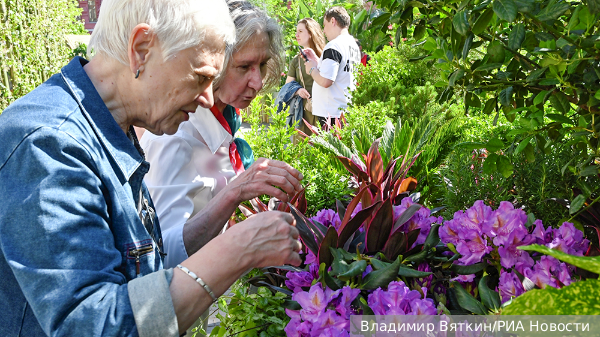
<point x="141" y="41"/>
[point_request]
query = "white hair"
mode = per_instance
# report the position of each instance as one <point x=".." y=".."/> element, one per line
<point x="250" y="20"/>
<point x="178" y="25"/>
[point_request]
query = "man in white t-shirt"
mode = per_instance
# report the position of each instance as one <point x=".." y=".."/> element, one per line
<point x="334" y="71"/>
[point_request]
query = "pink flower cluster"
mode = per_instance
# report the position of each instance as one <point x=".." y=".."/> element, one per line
<point x="479" y="231"/>
<point x="324" y="312"/>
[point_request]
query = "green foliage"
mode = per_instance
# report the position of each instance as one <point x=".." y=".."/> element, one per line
<point x="532" y="59"/>
<point x="579" y="298"/>
<point x="251" y="314"/>
<point x="404" y="86"/>
<point x="324" y="183"/>
<point x="33" y="43"/>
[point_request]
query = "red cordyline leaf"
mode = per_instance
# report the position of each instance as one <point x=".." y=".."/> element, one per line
<point x="356" y="170"/>
<point x="330" y="240"/>
<point x="258" y="205"/>
<point x="347" y="230"/>
<point x="394" y="245"/>
<point x="311" y="127"/>
<point x="375" y="163"/>
<point x="380" y="227"/>
<point x="246" y="210"/>
<point x="352" y="206"/>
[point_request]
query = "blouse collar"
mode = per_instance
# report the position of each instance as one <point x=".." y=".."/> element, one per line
<point x="214" y="135"/>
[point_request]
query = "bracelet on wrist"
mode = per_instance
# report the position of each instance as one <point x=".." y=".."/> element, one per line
<point x="310" y="71"/>
<point x="198" y="280"/>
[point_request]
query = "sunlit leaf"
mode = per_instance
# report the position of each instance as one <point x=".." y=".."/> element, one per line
<point x="505" y="9"/>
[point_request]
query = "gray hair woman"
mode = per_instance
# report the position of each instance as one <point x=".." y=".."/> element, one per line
<point x="81" y="250"/>
<point x="203" y="171"/>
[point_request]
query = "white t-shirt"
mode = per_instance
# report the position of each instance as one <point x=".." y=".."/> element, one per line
<point x="187" y="169"/>
<point x="337" y="64"/>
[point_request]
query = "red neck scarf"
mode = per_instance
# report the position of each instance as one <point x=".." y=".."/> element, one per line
<point x="234" y="156"/>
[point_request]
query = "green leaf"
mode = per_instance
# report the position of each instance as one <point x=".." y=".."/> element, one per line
<point x="534" y="76"/>
<point x="505" y="9"/>
<point x="594" y="6"/>
<point x="576" y="204"/>
<point x="553" y="11"/>
<point x="579" y="298"/>
<point x="541" y="97"/>
<point x="472" y="100"/>
<point x="381" y="19"/>
<point x="457" y="75"/>
<point x="505" y="96"/>
<point x="466" y="300"/>
<point x="490" y="298"/>
<point x="419" y="31"/>
<point x="489" y="106"/>
<point x="467" y="46"/>
<point x="409" y="272"/>
<point x="488" y="66"/>
<point x="461" y="23"/>
<point x="523" y="144"/>
<point x="495" y="52"/>
<point x="468" y="270"/>
<point x="560" y="119"/>
<point x="505" y="167"/>
<point x="516" y="37"/>
<point x="525" y="6"/>
<point x="589" y="263"/>
<point x="589" y="171"/>
<point x="381" y="277"/>
<point x="483" y="21"/>
<point x="529" y="155"/>
<point x="471" y="145"/>
<point x="489" y="164"/>
<point x="560" y="102"/>
<point x="356" y="268"/>
<point x="494" y="145"/>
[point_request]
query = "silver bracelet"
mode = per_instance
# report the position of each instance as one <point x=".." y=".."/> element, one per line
<point x="199" y="280"/>
<point x="310" y="71"/>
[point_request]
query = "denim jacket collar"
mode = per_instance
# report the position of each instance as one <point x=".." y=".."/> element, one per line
<point x="110" y="134"/>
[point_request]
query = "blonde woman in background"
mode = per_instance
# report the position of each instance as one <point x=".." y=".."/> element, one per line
<point x="308" y="35"/>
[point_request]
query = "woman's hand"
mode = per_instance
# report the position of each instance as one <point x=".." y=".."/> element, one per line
<point x="312" y="60"/>
<point x="262" y="177"/>
<point x="268" y="239"/>
<point x="303" y="93"/>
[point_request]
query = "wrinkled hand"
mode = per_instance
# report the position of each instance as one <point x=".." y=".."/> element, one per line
<point x="303" y="93"/>
<point x="262" y="177"/>
<point x="268" y="239"/>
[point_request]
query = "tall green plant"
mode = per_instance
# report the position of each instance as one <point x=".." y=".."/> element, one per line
<point x="33" y="43"/>
<point x="533" y="59"/>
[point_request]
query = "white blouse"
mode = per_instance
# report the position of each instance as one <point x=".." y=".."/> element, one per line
<point x="187" y="169"/>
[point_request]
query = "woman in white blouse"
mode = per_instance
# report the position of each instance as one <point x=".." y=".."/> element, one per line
<point x="192" y="172"/>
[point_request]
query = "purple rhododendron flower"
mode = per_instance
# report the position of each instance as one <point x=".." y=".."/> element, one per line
<point x="540" y="234"/>
<point x="297" y="328"/>
<point x="511" y="256"/>
<point x="344" y="301"/>
<point x="312" y="302"/>
<point x="422" y="220"/>
<point x="328" y="217"/>
<point x="297" y="280"/>
<point x="478" y="216"/>
<point x="310" y="257"/>
<point x="509" y="286"/>
<point x="508" y="219"/>
<point x="329" y="319"/>
<point x="421" y="282"/>
<point x="464" y="278"/>
<point x="473" y="248"/>
<point x="569" y="239"/>
<point x="399" y="300"/>
<point x="367" y="271"/>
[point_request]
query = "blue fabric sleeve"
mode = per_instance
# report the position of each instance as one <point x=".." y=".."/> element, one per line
<point x="55" y="234"/>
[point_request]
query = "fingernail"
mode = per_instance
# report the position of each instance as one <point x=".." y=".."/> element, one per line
<point x="301" y="176"/>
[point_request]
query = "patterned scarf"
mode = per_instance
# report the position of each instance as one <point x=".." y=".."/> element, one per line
<point x="240" y="152"/>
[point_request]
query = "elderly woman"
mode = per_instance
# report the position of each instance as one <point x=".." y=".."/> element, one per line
<point x="192" y="172"/>
<point x="81" y="248"/>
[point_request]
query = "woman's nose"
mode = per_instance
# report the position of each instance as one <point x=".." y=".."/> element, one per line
<point x="206" y="99"/>
<point x="256" y="78"/>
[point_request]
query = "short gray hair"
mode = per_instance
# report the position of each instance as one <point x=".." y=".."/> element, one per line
<point x="178" y="25"/>
<point x="249" y="20"/>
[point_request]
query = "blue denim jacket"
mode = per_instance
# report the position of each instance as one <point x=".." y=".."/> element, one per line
<point x="76" y="258"/>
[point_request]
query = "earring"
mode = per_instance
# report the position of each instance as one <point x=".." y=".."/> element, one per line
<point x="137" y="74"/>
